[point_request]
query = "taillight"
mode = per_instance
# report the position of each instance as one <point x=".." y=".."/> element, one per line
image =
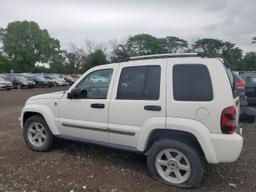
<point x="240" y="84"/>
<point x="228" y="120"/>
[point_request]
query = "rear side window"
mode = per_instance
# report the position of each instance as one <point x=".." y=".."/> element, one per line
<point x="192" y="82"/>
<point x="139" y="83"/>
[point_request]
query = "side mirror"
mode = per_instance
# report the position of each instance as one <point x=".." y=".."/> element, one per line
<point x="77" y="93"/>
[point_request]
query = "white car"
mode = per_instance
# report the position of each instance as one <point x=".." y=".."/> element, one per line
<point x="4" y="84"/>
<point x="180" y="110"/>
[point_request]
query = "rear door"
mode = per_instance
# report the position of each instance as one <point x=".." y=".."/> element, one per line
<point x="138" y="97"/>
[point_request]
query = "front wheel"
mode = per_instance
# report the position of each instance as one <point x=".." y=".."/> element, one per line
<point x="176" y="163"/>
<point x="37" y="134"/>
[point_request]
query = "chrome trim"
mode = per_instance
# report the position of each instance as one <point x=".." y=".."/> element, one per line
<point x="122" y="132"/>
<point x="83" y="127"/>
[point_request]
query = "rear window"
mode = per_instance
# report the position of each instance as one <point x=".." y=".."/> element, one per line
<point x="192" y="82"/>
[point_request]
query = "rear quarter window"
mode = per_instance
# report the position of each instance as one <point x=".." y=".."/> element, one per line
<point x="192" y="82"/>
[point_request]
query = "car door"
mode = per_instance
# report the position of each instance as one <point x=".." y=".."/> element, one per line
<point x="250" y="88"/>
<point x="137" y="101"/>
<point x="87" y="118"/>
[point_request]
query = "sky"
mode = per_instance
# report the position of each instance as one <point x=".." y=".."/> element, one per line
<point x="74" y="21"/>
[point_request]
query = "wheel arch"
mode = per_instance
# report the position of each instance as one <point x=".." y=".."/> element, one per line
<point x="44" y="112"/>
<point x="158" y="134"/>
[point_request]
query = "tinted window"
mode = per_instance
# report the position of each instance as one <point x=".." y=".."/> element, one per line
<point x="139" y="83"/>
<point x="192" y="83"/>
<point x="96" y="84"/>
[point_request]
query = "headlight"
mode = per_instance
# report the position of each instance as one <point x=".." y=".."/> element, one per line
<point x="24" y="83"/>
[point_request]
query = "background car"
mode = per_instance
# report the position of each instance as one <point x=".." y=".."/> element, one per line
<point x="20" y="82"/>
<point x="69" y="79"/>
<point x="4" y="84"/>
<point x="56" y="79"/>
<point x="250" y="89"/>
<point x="240" y="85"/>
<point x="41" y="81"/>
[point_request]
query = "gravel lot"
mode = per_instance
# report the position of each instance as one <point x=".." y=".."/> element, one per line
<point x="75" y="166"/>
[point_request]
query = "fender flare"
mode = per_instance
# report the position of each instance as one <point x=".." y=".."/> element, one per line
<point x="45" y="112"/>
<point x="196" y="128"/>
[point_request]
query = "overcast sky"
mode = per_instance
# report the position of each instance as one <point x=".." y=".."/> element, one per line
<point x="73" y="21"/>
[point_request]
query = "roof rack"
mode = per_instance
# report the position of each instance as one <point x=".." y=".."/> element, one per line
<point x="167" y="55"/>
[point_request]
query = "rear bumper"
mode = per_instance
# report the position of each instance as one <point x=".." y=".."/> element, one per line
<point x="227" y="147"/>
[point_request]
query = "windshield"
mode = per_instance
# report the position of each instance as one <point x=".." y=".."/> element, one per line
<point x="40" y="78"/>
<point x="1" y="79"/>
<point x="20" y="78"/>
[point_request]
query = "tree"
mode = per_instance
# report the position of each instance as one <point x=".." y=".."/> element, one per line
<point x="120" y="53"/>
<point x="94" y="59"/>
<point x="233" y="55"/>
<point x="25" y="44"/>
<point x="144" y="44"/>
<point x="174" y="44"/>
<point x="249" y="62"/>
<point x="211" y="47"/>
<point x="4" y="63"/>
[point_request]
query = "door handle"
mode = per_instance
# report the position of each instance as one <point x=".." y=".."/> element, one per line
<point x="152" y="108"/>
<point x="98" y="105"/>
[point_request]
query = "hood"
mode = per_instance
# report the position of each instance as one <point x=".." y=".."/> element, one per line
<point x="55" y="95"/>
<point x="30" y="82"/>
<point x="5" y="82"/>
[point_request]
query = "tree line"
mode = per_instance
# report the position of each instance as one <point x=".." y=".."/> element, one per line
<point x="24" y="43"/>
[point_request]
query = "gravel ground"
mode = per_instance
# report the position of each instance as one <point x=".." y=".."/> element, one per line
<point x="72" y="166"/>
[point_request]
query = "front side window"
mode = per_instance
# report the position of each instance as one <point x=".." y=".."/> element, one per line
<point x="192" y="82"/>
<point x="96" y="84"/>
<point x="139" y="83"/>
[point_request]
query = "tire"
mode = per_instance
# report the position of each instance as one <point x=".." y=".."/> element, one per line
<point x="47" y="140"/>
<point x="191" y="159"/>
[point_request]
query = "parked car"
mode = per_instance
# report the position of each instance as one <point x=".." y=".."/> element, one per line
<point x="69" y="79"/>
<point x="4" y="84"/>
<point x="240" y="85"/>
<point x="58" y="81"/>
<point x="20" y="82"/>
<point x="180" y="110"/>
<point x="250" y="89"/>
<point x="41" y="82"/>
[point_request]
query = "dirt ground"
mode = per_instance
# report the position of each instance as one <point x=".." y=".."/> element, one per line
<point x="72" y="166"/>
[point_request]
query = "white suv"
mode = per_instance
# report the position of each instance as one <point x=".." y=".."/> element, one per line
<point x="180" y="110"/>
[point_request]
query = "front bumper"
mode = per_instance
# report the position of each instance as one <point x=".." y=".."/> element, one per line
<point x="227" y="147"/>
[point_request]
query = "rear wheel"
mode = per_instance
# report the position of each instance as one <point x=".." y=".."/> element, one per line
<point x="37" y="134"/>
<point x="176" y="163"/>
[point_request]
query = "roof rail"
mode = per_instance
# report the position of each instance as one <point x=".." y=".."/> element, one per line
<point x="167" y="55"/>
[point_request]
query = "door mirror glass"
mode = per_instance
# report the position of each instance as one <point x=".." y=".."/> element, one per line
<point x="77" y="93"/>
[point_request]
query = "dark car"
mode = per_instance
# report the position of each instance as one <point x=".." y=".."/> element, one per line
<point x="250" y="89"/>
<point x="40" y="81"/>
<point x="20" y="82"/>
<point x="240" y="87"/>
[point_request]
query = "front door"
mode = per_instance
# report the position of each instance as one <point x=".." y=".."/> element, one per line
<point x="87" y="118"/>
